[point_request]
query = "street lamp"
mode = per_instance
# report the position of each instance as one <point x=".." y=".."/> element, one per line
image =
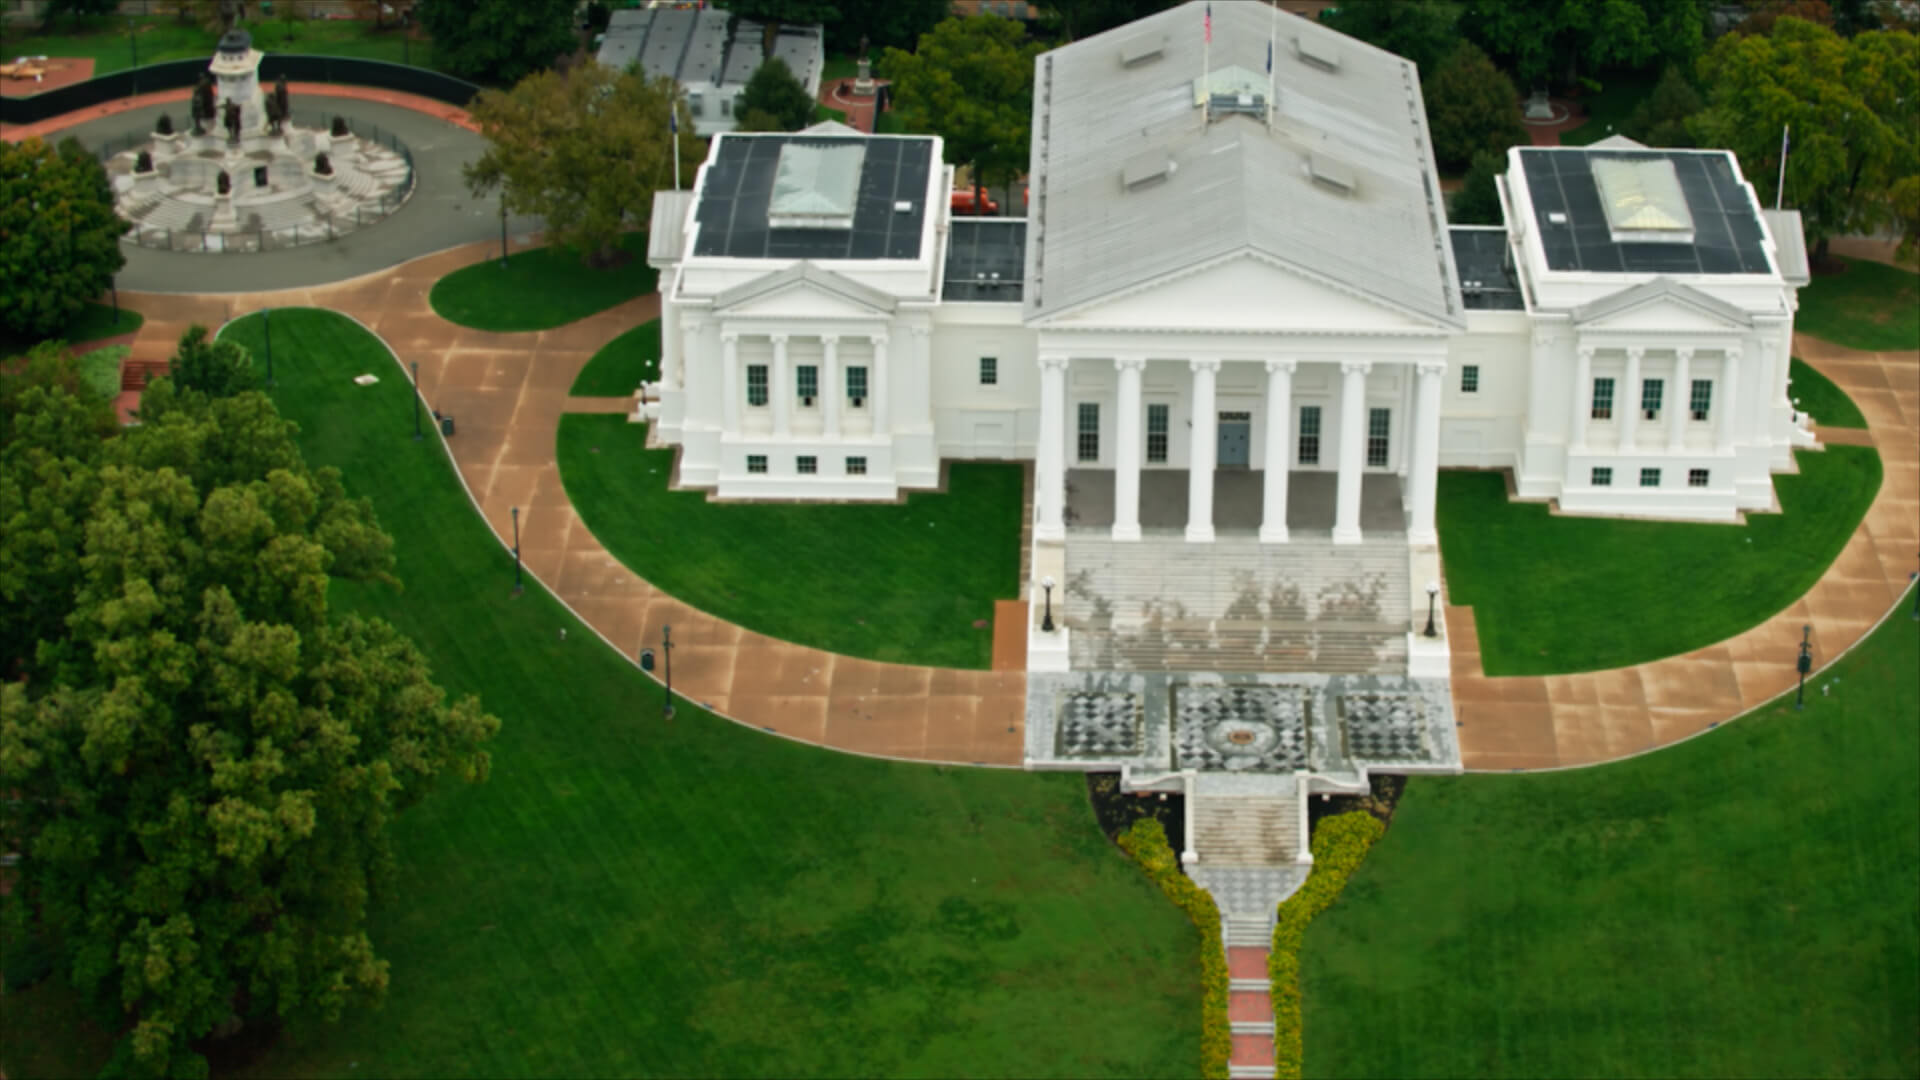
<point x="266" y="318"/>
<point x="1804" y="664"/>
<point x="1433" y="594"/>
<point x="666" y="650"/>
<point x="503" y="230"/>
<point x="516" y="551"/>
<point x="416" y="401"/>
<point x="1046" y="620"/>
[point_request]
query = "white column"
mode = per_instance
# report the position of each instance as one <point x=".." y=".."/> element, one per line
<point x="1423" y="474"/>
<point x="1201" y="454"/>
<point x="673" y="363"/>
<point x="1273" y="502"/>
<point x="1679" y="403"/>
<point x="1353" y="449"/>
<point x="1582" y="401"/>
<point x="1630" y="397"/>
<point x="1127" y="452"/>
<point x="1050" y="458"/>
<point x="781" y="391"/>
<point x="830" y="389"/>
<point x="1726" y="395"/>
<point x="880" y="389"/>
<point x="730" y="381"/>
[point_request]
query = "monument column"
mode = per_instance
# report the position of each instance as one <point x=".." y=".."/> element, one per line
<point x="1127" y="448"/>
<point x="1353" y="448"/>
<point x="1423" y="475"/>
<point x="1278" y="456"/>
<point x="1050" y="457"/>
<point x="1202" y="452"/>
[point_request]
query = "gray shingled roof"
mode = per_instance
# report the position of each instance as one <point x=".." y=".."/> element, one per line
<point x="1237" y="185"/>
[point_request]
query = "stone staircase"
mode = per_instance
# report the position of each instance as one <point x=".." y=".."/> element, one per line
<point x="1246" y="846"/>
<point x="1246" y="830"/>
<point x="1152" y="605"/>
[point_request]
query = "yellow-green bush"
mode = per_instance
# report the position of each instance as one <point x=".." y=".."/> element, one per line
<point x="1339" y="844"/>
<point x="1146" y="841"/>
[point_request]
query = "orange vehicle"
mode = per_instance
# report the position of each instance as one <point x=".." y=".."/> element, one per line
<point x="968" y="201"/>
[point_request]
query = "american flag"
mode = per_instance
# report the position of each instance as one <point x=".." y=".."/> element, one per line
<point x="1209" y="24"/>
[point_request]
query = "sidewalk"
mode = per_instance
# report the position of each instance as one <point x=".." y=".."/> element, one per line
<point x="450" y="113"/>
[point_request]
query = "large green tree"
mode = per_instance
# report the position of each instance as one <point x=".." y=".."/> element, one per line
<point x="1562" y="41"/>
<point x="773" y="100"/>
<point x="1075" y="19"/>
<point x="76" y="8"/>
<point x="1854" y="110"/>
<point x="1662" y="119"/>
<point x="585" y="150"/>
<point x="59" y="237"/>
<point x="971" y="82"/>
<point x="1422" y="31"/>
<point x="1472" y="107"/>
<point x="1478" y="200"/>
<point x="201" y="761"/>
<point x="773" y="14"/>
<point x="883" y="23"/>
<point x="213" y="368"/>
<point x="498" y="42"/>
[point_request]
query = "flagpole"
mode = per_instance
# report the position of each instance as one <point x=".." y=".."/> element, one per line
<point x="673" y="135"/>
<point x="1273" y="35"/>
<point x="1780" y="190"/>
<point x="1206" y="73"/>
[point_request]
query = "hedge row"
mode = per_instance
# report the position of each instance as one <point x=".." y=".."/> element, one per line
<point x="1146" y="841"/>
<point x="1339" y="843"/>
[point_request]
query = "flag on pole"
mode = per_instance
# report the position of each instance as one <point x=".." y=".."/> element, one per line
<point x="1209" y="24"/>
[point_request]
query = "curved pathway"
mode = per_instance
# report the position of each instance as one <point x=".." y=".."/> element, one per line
<point x="1561" y="721"/>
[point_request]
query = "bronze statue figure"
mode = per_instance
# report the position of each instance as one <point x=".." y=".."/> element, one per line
<point x="230" y="115"/>
<point x="281" y="103"/>
<point x="202" y="104"/>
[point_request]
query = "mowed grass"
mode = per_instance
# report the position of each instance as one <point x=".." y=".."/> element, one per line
<point x="622" y="364"/>
<point x="1563" y="594"/>
<point x="1609" y="110"/>
<point x="1816" y="394"/>
<point x="158" y="38"/>
<point x="1744" y="904"/>
<point x="904" y="582"/>
<point x="1871" y="306"/>
<point x="627" y="896"/>
<point x="540" y="288"/>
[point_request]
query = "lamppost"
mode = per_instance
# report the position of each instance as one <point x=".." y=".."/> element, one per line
<point x="1046" y="620"/>
<point x="266" y="318"/>
<point x="666" y="649"/>
<point x="516" y="551"/>
<point x="1433" y="594"/>
<point x="1916" y="596"/>
<point x="416" y="401"/>
<point x="503" y="230"/>
<point x="1804" y="664"/>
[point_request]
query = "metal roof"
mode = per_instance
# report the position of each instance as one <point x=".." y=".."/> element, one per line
<point x="1487" y="280"/>
<point x="1575" y="233"/>
<point x="1789" y="244"/>
<point x="1101" y="107"/>
<point x="692" y="46"/>
<point x="889" y="207"/>
<point x="985" y="259"/>
<point x="666" y="230"/>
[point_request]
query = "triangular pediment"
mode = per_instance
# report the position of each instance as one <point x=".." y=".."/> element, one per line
<point x="804" y="290"/>
<point x="1245" y="292"/>
<point x="1661" y="304"/>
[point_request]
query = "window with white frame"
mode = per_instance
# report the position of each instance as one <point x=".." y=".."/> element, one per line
<point x="989" y="371"/>
<point x="806" y="464"/>
<point x="1651" y="393"/>
<point x="1602" y="476"/>
<point x="756" y="384"/>
<point x="857" y="386"/>
<point x="856" y="466"/>
<point x="1650" y="478"/>
<point x="1697" y="478"/>
<point x="1379" y="426"/>
<point x="1470" y="378"/>
<point x="807" y="382"/>
<point x="1309" y="434"/>
<point x="1602" y="399"/>
<point x="1089" y="431"/>
<point x="1702" y="401"/>
<point x="756" y="463"/>
<point x="1157" y="434"/>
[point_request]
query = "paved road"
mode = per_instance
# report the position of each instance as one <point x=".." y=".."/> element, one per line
<point x="441" y="214"/>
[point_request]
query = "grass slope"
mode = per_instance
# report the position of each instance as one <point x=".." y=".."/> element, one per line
<point x="1561" y="594"/>
<point x="161" y="38"/>
<point x="632" y="897"/>
<point x="1744" y="904"/>
<point x="621" y="364"/>
<point x="1871" y="306"/>
<point x="894" y="581"/>
<point x="540" y="288"/>
<point x="1816" y="394"/>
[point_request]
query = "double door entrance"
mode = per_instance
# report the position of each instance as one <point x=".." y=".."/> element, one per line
<point x="1235" y="440"/>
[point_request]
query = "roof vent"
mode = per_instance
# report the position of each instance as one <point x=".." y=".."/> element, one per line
<point x="1146" y="169"/>
<point x="903" y="207"/>
<point x="1142" y="49"/>
<point x="1335" y="175"/>
<point x="1323" y="54"/>
<point x="1556" y="217"/>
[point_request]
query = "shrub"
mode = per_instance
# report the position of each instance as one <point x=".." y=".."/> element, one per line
<point x="322" y="165"/>
<point x="340" y="127"/>
<point x="1146" y="841"/>
<point x="164" y="126"/>
<point x="1339" y="843"/>
<point x="143" y="162"/>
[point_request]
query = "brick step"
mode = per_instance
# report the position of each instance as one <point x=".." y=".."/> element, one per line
<point x="135" y="374"/>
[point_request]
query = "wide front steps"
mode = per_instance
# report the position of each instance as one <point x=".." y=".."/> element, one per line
<point x="1246" y="831"/>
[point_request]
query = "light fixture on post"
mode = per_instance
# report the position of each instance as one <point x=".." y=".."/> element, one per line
<point x="1804" y="665"/>
<point x="516" y="551"/>
<point x="1433" y="594"/>
<point x="1046" y="619"/>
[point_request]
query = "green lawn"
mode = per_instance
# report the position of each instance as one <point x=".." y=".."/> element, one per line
<point x="621" y="364"/>
<point x="1744" y="904"/>
<point x="162" y="37"/>
<point x="1829" y="405"/>
<point x="900" y="582"/>
<point x="631" y="897"/>
<point x="540" y="288"/>
<point x="94" y="322"/>
<point x="1871" y="306"/>
<point x="1561" y="594"/>
<point x="1619" y="95"/>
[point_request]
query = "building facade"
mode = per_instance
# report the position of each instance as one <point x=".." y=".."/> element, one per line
<point x="708" y="54"/>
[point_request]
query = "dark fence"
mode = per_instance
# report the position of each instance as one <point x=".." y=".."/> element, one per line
<point x="181" y="74"/>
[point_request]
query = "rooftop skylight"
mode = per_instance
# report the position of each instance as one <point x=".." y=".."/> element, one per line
<point x="1643" y="200"/>
<point x="814" y="185"/>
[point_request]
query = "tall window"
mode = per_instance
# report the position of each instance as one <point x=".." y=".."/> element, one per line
<point x="1089" y="431"/>
<point x="1157" y="434"/>
<point x="989" y="371"/>
<point x="1379" y="423"/>
<point x="1309" y="434"/>
<point x="1702" y="398"/>
<point x="1602" y="399"/>
<point x="1649" y="477"/>
<point x="1470" y="378"/>
<point x="857" y="386"/>
<point x="808" y="379"/>
<point x="1651" y="391"/>
<point x="1602" y="476"/>
<point x="756" y="384"/>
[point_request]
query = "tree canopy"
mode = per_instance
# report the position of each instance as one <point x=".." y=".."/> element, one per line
<point x="585" y="150"/>
<point x="1076" y="19"/>
<point x="971" y="81"/>
<point x="1420" y="31"/>
<point x="1661" y="120"/>
<point x="883" y="23"/>
<point x="213" y="368"/>
<point x="773" y="93"/>
<point x="497" y="42"/>
<point x="62" y="237"/>
<point x="202" y="762"/>
<point x="1478" y="200"/>
<point x="1471" y="107"/>
<point x="1562" y="40"/>
<point x="1854" y="110"/>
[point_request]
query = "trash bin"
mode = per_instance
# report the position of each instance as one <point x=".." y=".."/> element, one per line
<point x="446" y="424"/>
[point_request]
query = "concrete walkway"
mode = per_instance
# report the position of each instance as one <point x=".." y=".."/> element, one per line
<point x="507" y="393"/>
<point x="1570" y="720"/>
